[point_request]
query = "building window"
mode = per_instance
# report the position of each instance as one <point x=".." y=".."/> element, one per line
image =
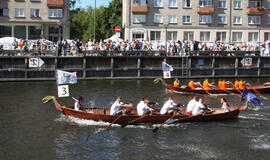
<point x="172" y="4"/>
<point x="237" y="36"/>
<point x="205" y="19"/>
<point x="35" y="12"/>
<point x="253" y="36"/>
<point x="138" y="18"/>
<point x="254" y="20"/>
<point x="155" y="35"/>
<point x="55" y="13"/>
<point x="222" y="4"/>
<point x="268" y="5"/>
<point x="237" y="20"/>
<point x="34" y="32"/>
<point x="20" y="32"/>
<point x="172" y="19"/>
<point x="254" y="4"/>
<point x="269" y="20"/>
<point x="172" y="35"/>
<point x="205" y="36"/>
<point x="222" y="20"/>
<point x="5" y="31"/>
<point x="158" y="19"/>
<point x="139" y="3"/>
<point x="186" y="20"/>
<point x="188" y="36"/>
<point x="266" y="36"/>
<point x="138" y="36"/>
<point x="186" y="3"/>
<point x="55" y="30"/>
<point x="158" y="3"/>
<point x="3" y="12"/>
<point x="205" y="3"/>
<point x="19" y="12"/>
<point x="237" y="4"/>
<point x="221" y="36"/>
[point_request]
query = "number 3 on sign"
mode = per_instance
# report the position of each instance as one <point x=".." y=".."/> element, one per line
<point x="63" y="91"/>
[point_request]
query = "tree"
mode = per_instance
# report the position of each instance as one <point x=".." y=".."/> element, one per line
<point x="82" y="21"/>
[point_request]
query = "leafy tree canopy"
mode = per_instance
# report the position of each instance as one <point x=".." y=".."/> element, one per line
<point x="82" y="21"/>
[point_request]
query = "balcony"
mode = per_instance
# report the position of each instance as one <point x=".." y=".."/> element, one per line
<point x="139" y="9"/>
<point x="255" y="11"/>
<point x="206" y="10"/>
<point x="55" y="3"/>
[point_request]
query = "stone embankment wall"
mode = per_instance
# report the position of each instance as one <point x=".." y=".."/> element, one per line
<point x="136" y="65"/>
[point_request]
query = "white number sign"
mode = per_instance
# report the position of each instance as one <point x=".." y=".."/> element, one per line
<point x="63" y="91"/>
<point x="166" y="74"/>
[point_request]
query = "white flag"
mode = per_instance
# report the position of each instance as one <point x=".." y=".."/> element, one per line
<point x="63" y="77"/>
<point x="166" y="67"/>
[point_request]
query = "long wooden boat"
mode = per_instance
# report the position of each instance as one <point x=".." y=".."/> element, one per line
<point x="254" y="89"/>
<point x="103" y="114"/>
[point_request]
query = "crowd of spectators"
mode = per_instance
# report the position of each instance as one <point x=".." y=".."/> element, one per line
<point x="66" y="47"/>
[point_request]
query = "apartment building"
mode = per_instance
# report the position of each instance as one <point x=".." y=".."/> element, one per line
<point x="200" y="20"/>
<point x="33" y="19"/>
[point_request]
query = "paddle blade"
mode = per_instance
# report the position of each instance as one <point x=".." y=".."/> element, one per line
<point x="155" y="130"/>
<point x="171" y="121"/>
<point x="123" y="125"/>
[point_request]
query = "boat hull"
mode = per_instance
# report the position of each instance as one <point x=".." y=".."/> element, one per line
<point x="260" y="89"/>
<point x="101" y="114"/>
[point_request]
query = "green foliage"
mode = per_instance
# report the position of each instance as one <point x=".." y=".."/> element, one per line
<point x="82" y="21"/>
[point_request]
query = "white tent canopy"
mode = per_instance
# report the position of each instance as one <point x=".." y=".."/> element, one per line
<point x="6" y="42"/>
<point x="114" y="38"/>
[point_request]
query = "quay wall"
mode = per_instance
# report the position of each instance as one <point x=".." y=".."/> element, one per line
<point x="135" y="65"/>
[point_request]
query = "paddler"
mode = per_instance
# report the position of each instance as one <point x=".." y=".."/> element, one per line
<point x="78" y="103"/>
<point x="224" y="84"/>
<point x="116" y="107"/>
<point x="193" y="84"/>
<point x="143" y="107"/>
<point x="220" y="84"/>
<point x="207" y="85"/>
<point x="176" y="83"/>
<point x="168" y="107"/>
<point x="242" y="84"/>
<point x="236" y="84"/>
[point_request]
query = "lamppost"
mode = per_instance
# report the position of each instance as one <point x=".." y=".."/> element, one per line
<point x="95" y="20"/>
<point x="230" y="23"/>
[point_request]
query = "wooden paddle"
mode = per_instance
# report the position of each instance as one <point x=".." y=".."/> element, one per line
<point x="205" y="90"/>
<point x="184" y="118"/>
<point x="156" y="128"/>
<point x="258" y="93"/>
<point x="132" y="121"/>
<point x="114" y="121"/>
<point x="231" y="93"/>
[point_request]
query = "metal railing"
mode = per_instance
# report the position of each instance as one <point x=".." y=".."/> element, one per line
<point x="128" y="53"/>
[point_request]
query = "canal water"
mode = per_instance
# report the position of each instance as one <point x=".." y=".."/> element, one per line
<point x="31" y="130"/>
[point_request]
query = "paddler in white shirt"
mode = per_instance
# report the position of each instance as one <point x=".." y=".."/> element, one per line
<point x="116" y="107"/>
<point x="143" y="108"/>
<point x="168" y="107"/>
<point x="198" y="108"/>
<point x="191" y="104"/>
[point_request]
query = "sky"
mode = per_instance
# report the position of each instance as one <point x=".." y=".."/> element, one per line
<point x="86" y="3"/>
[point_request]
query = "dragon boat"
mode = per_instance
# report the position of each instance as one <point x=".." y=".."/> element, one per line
<point x="103" y="114"/>
<point x="253" y="89"/>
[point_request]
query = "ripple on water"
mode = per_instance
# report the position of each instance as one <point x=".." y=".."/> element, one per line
<point x="261" y="142"/>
